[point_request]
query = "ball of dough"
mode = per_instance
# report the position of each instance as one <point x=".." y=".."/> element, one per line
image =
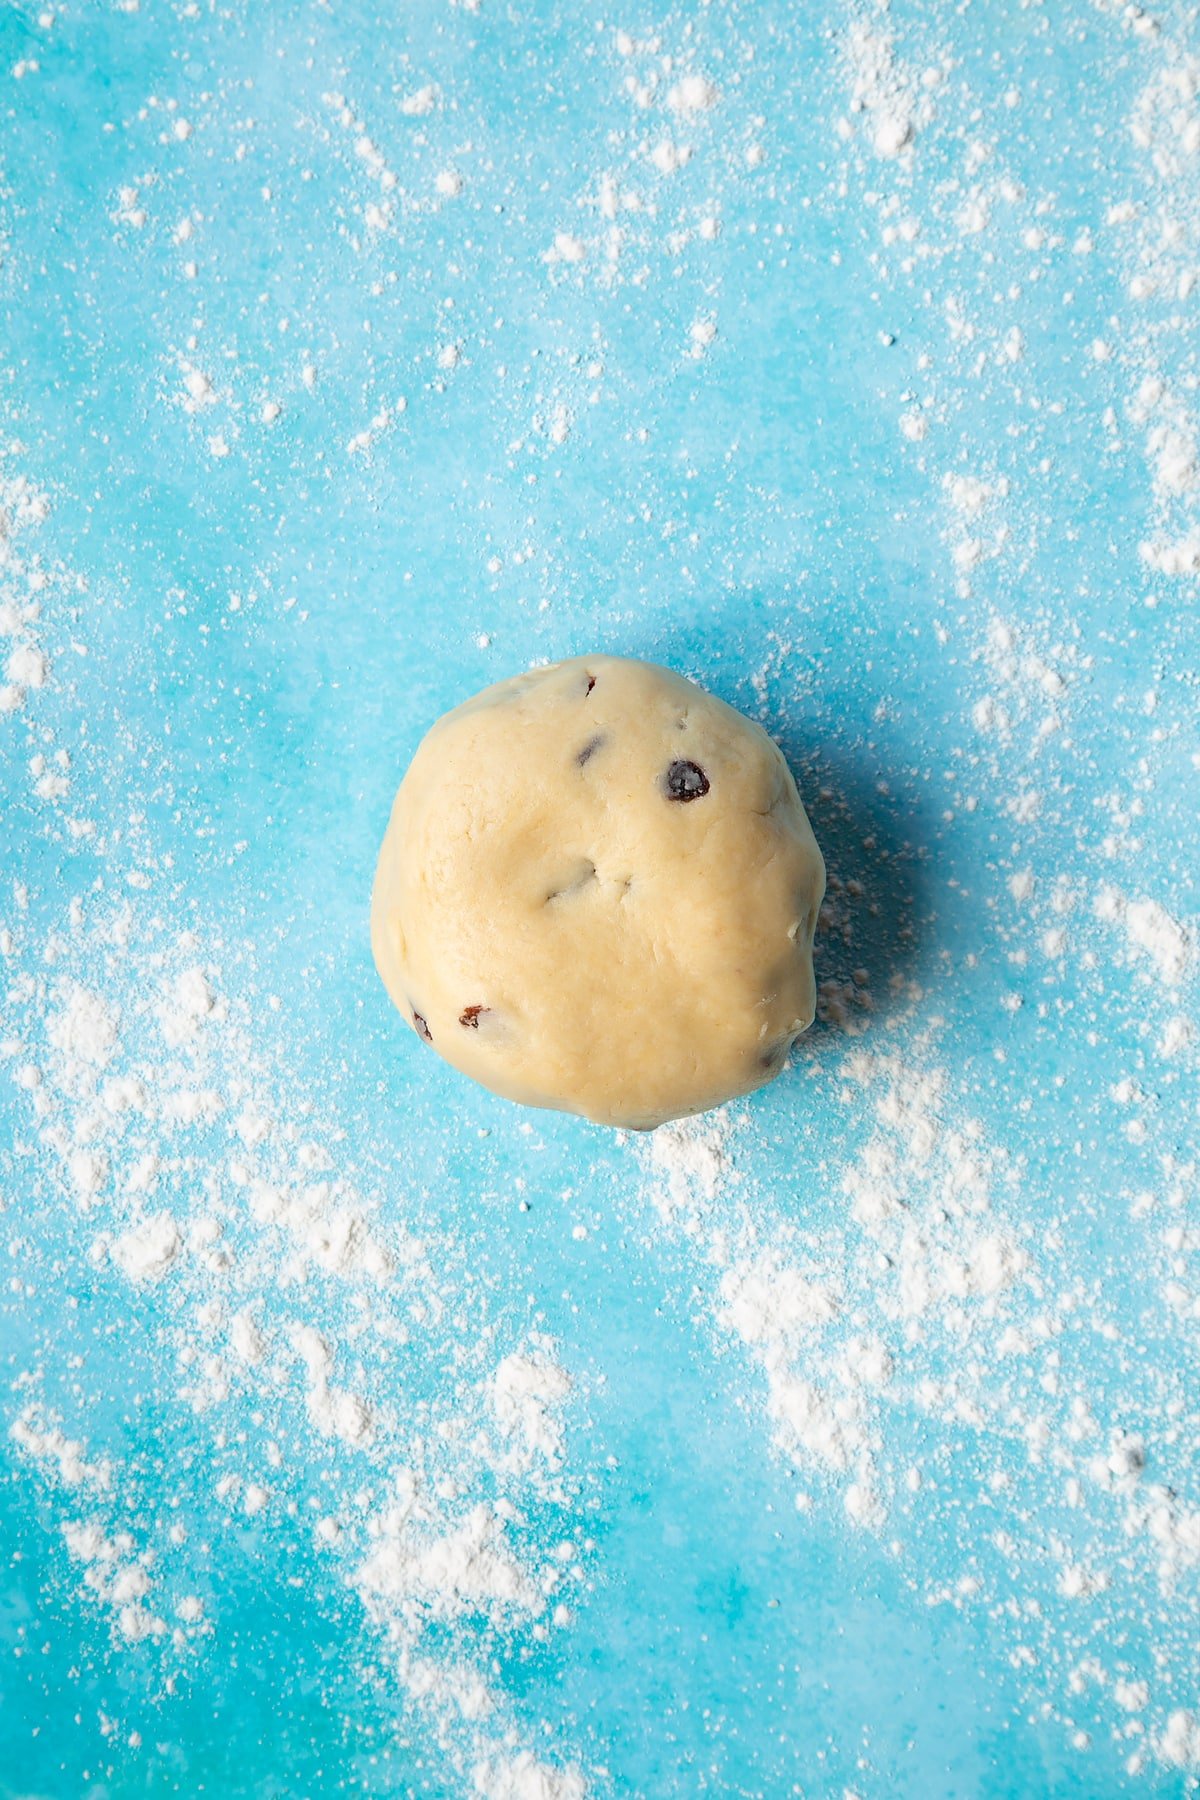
<point x="598" y="891"/>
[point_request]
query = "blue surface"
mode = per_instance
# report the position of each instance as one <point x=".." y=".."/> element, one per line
<point x="244" y="649"/>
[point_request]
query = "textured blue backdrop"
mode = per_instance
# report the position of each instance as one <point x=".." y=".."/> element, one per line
<point x="355" y="356"/>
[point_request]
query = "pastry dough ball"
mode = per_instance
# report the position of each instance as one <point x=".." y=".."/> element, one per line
<point x="597" y="892"/>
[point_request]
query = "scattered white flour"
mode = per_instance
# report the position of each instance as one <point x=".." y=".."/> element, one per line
<point x="377" y="215"/>
<point x="83" y="1027"/>
<point x="522" y="1777"/>
<point x="363" y="442"/>
<point x="1179" y="1744"/>
<point x="420" y="103"/>
<point x="185" y="1007"/>
<point x="883" y="92"/>
<point x="27" y="667"/>
<point x="199" y="390"/>
<point x="919" y="1194"/>
<point x="42" y="1438"/>
<point x="528" y="1391"/>
<point x="1178" y="1033"/>
<point x="114" y="1573"/>
<point x="1150" y="931"/>
<point x="146" y="1251"/>
<point x="702" y="334"/>
<point x="693" y="94"/>
<point x="145" y="1072"/>
<point x="334" y="1411"/>
<point x="918" y="1302"/>
<point x="26" y="584"/>
<point x="468" y="1569"/>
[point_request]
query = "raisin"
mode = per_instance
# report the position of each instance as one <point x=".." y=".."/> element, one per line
<point x="591" y="682"/>
<point x="422" y="1028"/>
<point x="685" y="781"/>
<point x="470" y="1015"/>
<point x="589" y="750"/>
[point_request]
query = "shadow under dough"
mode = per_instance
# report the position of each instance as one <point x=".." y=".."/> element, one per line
<point x="874" y="834"/>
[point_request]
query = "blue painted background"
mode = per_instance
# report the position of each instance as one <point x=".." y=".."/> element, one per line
<point x="266" y="635"/>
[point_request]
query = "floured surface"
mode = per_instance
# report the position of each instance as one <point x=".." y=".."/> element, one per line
<point x="357" y="1430"/>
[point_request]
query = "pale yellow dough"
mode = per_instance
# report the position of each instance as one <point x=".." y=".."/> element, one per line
<point x="561" y="929"/>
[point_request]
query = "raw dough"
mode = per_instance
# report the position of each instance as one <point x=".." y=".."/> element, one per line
<point x="597" y="892"/>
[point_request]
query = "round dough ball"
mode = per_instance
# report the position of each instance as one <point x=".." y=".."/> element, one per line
<point x="598" y="891"/>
